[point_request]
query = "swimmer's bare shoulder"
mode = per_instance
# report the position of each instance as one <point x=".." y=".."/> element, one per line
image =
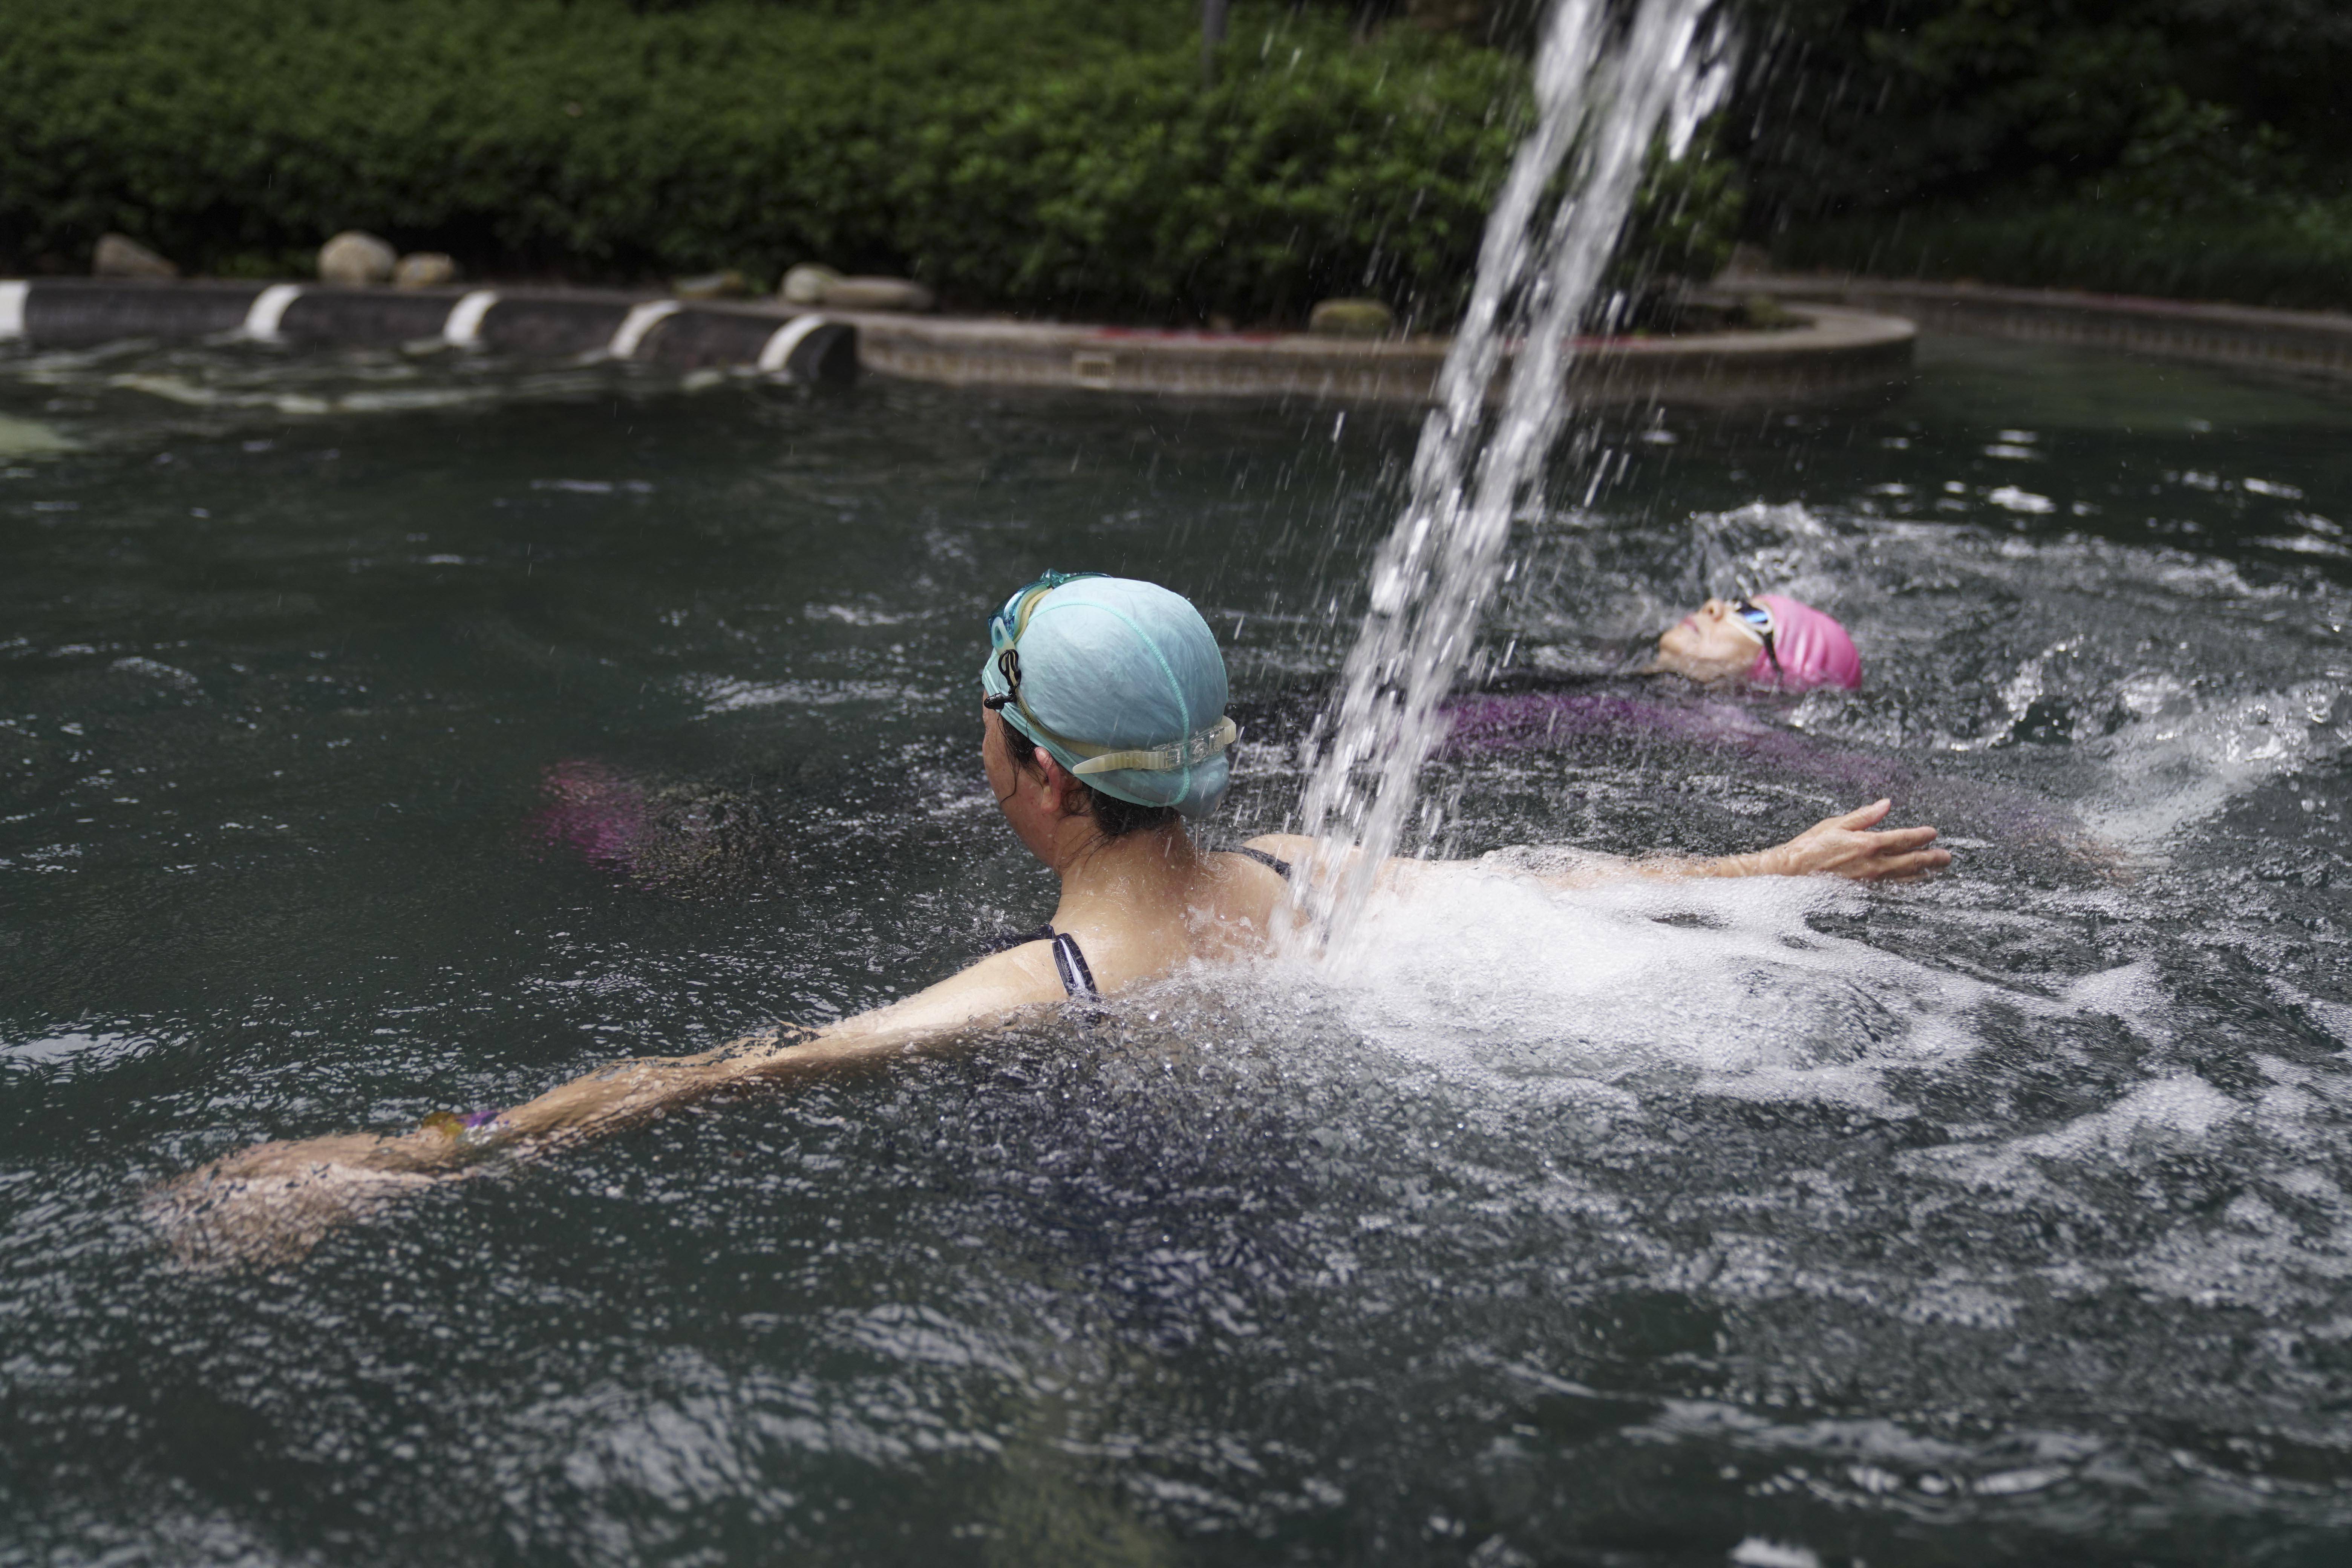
<point x="984" y="992"/>
<point x="1290" y="846"/>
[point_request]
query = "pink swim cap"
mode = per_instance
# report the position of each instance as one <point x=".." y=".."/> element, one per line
<point x="1813" y="649"/>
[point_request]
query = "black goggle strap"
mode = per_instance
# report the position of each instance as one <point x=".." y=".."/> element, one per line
<point x="1008" y="665"/>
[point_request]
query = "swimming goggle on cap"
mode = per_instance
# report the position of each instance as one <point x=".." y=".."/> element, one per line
<point x="1120" y="681"/>
<point x="1803" y="646"/>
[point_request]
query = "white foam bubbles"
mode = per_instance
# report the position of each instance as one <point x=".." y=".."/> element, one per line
<point x="2169" y="773"/>
<point x="2177" y="1110"/>
<point x="727" y="694"/>
<point x="1756" y="1551"/>
<point x="2131" y="992"/>
<point x="30" y="438"/>
<point x="1488" y="975"/>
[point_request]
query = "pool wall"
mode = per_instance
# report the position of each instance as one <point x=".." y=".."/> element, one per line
<point x="73" y="312"/>
<point x="1836" y="352"/>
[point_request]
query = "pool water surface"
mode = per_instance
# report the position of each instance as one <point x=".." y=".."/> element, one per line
<point x="386" y="735"/>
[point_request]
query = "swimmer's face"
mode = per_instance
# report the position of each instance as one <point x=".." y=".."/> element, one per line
<point x="1708" y="645"/>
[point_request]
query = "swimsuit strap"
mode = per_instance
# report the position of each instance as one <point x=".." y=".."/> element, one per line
<point x="1273" y="863"/>
<point x="1020" y="939"/>
<point x="1011" y="939"/>
<point x="1069" y="962"/>
<point x="1076" y="978"/>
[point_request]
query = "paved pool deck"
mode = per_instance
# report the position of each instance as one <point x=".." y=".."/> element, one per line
<point x="2307" y="342"/>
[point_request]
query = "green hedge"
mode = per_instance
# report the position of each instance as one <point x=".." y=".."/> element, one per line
<point x="2296" y="258"/>
<point x="1051" y="155"/>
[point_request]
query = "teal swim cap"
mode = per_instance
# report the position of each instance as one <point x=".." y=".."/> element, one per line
<point x="1120" y="681"/>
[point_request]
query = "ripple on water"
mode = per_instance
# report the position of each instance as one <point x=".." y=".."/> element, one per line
<point x="2004" y="1216"/>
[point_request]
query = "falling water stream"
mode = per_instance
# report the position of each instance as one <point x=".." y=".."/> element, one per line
<point x="1607" y="86"/>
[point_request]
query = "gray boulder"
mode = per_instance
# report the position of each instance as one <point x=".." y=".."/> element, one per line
<point x="423" y="269"/>
<point x="806" y="284"/>
<point x="120" y="256"/>
<point x="877" y="294"/>
<point x="353" y="256"/>
<point x="809" y="284"/>
<point x="728" y="285"/>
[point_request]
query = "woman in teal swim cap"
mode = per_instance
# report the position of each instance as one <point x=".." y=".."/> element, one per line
<point x="1103" y="713"/>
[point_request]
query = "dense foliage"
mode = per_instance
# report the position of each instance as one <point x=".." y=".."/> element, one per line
<point x="2159" y="145"/>
<point x="1055" y="154"/>
<point x="1062" y="156"/>
<point x="2182" y="103"/>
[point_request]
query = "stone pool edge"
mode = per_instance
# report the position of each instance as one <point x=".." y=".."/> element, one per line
<point x="1837" y="351"/>
<point x="78" y="313"/>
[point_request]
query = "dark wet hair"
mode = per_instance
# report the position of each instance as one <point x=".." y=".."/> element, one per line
<point x="1112" y="817"/>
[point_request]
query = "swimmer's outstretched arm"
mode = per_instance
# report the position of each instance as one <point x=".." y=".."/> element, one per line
<point x="275" y="1200"/>
<point x="939" y="1016"/>
<point x="1850" y="846"/>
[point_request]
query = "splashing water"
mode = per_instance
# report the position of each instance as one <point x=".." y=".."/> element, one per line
<point x="2007" y="1217"/>
<point x="1605" y="90"/>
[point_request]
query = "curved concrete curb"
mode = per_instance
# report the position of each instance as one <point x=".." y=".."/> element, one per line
<point x="77" y="313"/>
<point x="2314" y="343"/>
<point x="1836" y="352"/>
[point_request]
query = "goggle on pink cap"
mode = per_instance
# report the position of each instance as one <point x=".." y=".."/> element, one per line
<point x="1802" y="648"/>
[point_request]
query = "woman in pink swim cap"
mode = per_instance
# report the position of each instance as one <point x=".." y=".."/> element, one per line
<point x="1770" y="640"/>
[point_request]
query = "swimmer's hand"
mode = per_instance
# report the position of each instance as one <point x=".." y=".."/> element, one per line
<point x="1847" y="847"/>
<point x="272" y="1203"/>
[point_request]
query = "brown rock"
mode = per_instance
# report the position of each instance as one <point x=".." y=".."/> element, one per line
<point x="120" y="256"/>
<point x="811" y="284"/>
<point x="353" y="256"/>
<point x="806" y="284"/>
<point x="423" y="269"/>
